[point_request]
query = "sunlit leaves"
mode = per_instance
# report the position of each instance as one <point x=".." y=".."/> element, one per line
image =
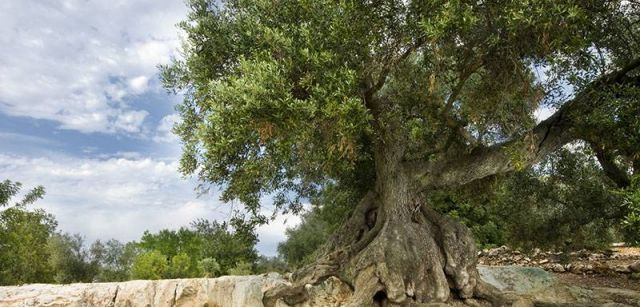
<point x="276" y="91"/>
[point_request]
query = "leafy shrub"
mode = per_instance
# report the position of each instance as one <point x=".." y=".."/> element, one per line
<point x="209" y="267"/>
<point x="149" y="265"/>
<point x="180" y="264"/>
<point x="630" y="225"/>
<point x="241" y="268"/>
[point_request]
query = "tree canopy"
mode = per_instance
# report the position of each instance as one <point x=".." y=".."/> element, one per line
<point x="286" y="98"/>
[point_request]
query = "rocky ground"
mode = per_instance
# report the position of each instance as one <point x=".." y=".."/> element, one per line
<point x="618" y="267"/>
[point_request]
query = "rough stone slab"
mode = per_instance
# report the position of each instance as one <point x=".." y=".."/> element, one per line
<point x="227" y="291"/>
<point x="516" y="279"/>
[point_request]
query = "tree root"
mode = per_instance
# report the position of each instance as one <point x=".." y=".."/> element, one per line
<point x="397" y="260"/>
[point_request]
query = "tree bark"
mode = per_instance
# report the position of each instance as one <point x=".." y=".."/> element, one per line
<point x="394" y="250"/>
<point x="396" y="257"/>
<point x="610" y="168"/>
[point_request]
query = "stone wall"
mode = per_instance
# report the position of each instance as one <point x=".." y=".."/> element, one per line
<point x="533" y="285"/>
<point x="231" y="291"/>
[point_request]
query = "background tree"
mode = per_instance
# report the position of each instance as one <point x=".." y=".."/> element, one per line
<point x="69" y="259"/>
<point x="172" y="243"/>
<point x="392" y="101"/>
<point x="227" y="244"/>
<point x="180" y="267"/>
<point x="241" y="268"/>
<point x="32" y="252"/>
<point x="304" y="239"/>
<point x="114" y="259"/>
<point x="271" y="264"/>
<point x="23" y="237"/>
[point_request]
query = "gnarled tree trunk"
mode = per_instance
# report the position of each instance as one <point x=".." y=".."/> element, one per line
<point x="395" y="250"/>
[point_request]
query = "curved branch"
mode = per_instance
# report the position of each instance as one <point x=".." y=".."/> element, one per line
<point x="610" y="168"/>
<point x="546" y="137"/>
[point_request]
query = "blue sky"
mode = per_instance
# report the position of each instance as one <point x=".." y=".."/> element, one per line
<point x="83" y="114"/>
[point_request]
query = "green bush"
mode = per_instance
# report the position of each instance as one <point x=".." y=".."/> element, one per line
<point x="180" y="264"/>
<point x="149" y="265"/>
<point x="209" y="267"/>
<point x="630" y="225"/>
<point x="271" y="264"/>
<point x="241" y="268"/>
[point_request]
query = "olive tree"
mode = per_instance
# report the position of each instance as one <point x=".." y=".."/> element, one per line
<point x="386" y="101"/>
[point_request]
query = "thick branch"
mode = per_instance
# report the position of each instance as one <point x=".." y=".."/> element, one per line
<point x="610" y="168"/>
<point x="546" y="137"/>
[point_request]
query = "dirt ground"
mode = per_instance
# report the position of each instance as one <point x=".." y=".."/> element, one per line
<point x="631" y="251"/>
<point x="581" y="268"/>
<point x="621" y="281"/>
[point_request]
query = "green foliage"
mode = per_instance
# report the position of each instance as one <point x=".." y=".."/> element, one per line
<point x="241" y="268"/>
<point x="69" y="260"/>
<point x="180" y="266"/>
<point x="23" y="237"/>
<point x="564" y="202"/>
<point x="9" y="189"/>
<point x="270" y="264"/>
<point x="227" y="243"/>
<point x="149" y="265"/>
<point x="567" y="203"/>
<point x="279" y="96"/>
<point x="170" y="243"/>
<point x="209" y="267"/>
<point x="205" y="239"/>
<point x="631" y="222"/>
<point x="114" y="259"/>
<point x="304" y="239"/>
<point x="474" y="210"/>
<point x="31" y="251"/>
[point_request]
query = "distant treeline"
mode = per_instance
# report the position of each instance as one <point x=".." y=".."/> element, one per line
<point x="33" y="251"/>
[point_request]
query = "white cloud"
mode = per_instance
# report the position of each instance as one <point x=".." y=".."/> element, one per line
<point x="139" y="84"/>
<point x="77" y="62"/>
<point x="163" y="131"/>
<point x="274" y="232"/>
<point x="116" y="197"/>
<point x="124" y="195"/>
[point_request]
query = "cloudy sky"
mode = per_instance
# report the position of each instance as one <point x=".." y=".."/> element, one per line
<point x="83" y="114"/>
